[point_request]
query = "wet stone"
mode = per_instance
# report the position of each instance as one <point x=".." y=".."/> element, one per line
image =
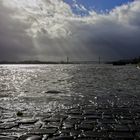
<point x="76" y="117"/>
<point x="106" y="127"/>
<point x="89" y="112"/>
<point x="75" y="133"/>
<point x="62" y="138"/>
<point x="85" y="126"/>
<point x="49" y="131"/>
<point x="88" y="108"/>
<point x="65" y="132"/>
<point x="30" y="137"/>
<point x="52" y="120"/>
<point x="125" y="121"/>
<point x="107" y="116"/>
<point x="53" y="92"/>
<point x="134" y="128"/>
<point x="92" y="117"/>
<point x="28" y="121"/>
<point x="106" y="112"/>
<point x="85" y="138"/>
<point x="72" y="121"/>
<point x="108" y="121"/>
<point x="7" y="138"/>
<point x="67" y="125"/>
<point x="9" y="120"/>
<point x="74" y="112"/>
<point x="92" y="134"/>
<point x="60" y="116"/>
<point x="138" y="135"/>
<point x="122" y="135"/>
<point x="126" y="116"/>
<point x="93" y="122"/>
<point x="8" y="125"/>
<point x="137" y="121"/>
<point x="53" y="125"/>
<point x="121" y="128"/>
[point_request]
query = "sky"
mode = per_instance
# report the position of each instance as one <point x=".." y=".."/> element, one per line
<point x="97" y="5"/>
<point x="51" y="30"/>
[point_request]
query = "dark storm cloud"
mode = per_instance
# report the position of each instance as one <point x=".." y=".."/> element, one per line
<point x="14" y="42"/>
<point x="48" y="31"/>
<point x="112" y="40"/>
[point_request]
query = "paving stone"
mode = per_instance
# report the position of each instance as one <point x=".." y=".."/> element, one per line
<point x="53" y="92"/>
<point x="88" y="108"/>
<point x="30" y="137"/>
<point x="126" y="121"/>
<point x="7" y="138"/>
<point x="28" y="121"/>
<point x="106" y="112"/>
<point x="98" y="123"/>
<point x="137" y="121"/>
<point x="106" y="127"/>
<point x="85" y="138"/>
<point x="76" y="117"/>
<point x="48" y="131"/>
<point x="92" y="134"/>
<point x="134" y="128"/>
<point x="122" y="135"/>
<point x="68" y="125"/>
<point x="52" y="125"/>
<point x="89" y="112"/>
<point x="74" y="111"/>
<point x="52" y="120"/>
<point x="72" y="121"/>
<point x="75" y="133"/>
<point x="27" y="127"/>
<point x="92" y="117"/>
<point x="93" y="122"/>
<point x="65" y="132"/>
<point x="8" y="125"/>
<point x="60" y="115"/>
<point x="107" y="121"/>
<point x="107" y="116"/>
<point x="126" y="116"/>
<point x="85" y="126"/>
<point x="8" y="120"/>
<point x="62" y="138"/>
<point x="121" y="128"/>
<point x="137" y="135"/>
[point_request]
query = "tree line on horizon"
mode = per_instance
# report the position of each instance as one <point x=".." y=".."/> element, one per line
<point x="135" y="60"/>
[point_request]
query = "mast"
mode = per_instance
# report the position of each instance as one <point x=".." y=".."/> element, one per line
<point x="99" y="60"/>
<point x="67" y="59"/>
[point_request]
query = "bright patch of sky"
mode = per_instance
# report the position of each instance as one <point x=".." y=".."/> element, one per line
<point x="82" y="7"/>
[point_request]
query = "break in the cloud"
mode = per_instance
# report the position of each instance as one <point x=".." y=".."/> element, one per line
<point x="49" y="30"/>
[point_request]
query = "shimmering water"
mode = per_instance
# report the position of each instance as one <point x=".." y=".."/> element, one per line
<point x="26" y="87"/>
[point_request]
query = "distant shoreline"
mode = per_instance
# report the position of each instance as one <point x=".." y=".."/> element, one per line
<point x="43" y="62"/>
<point x="116" y="62"/>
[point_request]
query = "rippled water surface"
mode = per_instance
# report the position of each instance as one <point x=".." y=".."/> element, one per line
<point x="41" y="88"/>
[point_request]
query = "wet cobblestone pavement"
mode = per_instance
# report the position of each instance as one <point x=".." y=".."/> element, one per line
<point x="82" y="122"/>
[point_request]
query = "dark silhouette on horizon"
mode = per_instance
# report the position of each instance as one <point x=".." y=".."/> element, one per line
<point x="118" y="62"/>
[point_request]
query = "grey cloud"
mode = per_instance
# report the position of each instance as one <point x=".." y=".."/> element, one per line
<point x="14" y="42"/>
<point x="111" y="36"/>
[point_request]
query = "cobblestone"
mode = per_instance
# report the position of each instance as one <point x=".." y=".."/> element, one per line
<point x="87" y="124"/>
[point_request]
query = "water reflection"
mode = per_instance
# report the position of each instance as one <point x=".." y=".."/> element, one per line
<point x="25" y="87"/>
